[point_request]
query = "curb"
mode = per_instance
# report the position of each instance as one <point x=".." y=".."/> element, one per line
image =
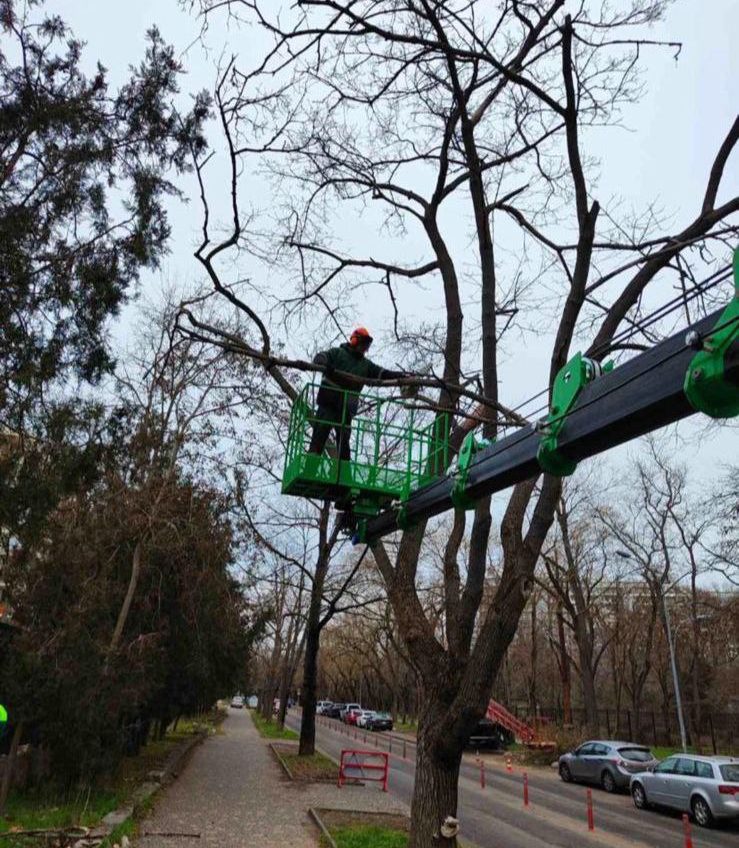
<point x="156" y="780"/>
<point x="281" y="761"/>
<point x="301" y="779"/>
<point x="313" y="813"/>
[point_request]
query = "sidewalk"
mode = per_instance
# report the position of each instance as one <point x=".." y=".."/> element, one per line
<point x="233" y="793"/>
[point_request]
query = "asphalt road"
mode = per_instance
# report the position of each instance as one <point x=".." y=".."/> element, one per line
<point x="495" y="817"/>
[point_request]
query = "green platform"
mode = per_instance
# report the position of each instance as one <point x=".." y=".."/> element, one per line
<point x="396" y="447"/>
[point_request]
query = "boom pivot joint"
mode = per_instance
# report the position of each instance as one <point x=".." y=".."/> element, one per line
<point x="470" y="446"/>
<point x="568" y="384"/>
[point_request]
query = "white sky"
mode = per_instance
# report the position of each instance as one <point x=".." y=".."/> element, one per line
<point x="666" y="156"/>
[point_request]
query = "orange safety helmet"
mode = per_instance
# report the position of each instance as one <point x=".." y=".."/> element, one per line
<point x="361" y="334"/>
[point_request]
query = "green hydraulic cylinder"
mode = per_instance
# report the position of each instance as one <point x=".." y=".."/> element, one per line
<point x="567" y="386"/>
<point x="707" y="385"/>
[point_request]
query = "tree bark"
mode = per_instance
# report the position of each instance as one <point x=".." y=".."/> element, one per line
<point x="587" y="671"/>
<point x="533" y="694"/>
<point x="434" y="791"/>
<point x="310" y="674"/>
<point x="564" y="669"/>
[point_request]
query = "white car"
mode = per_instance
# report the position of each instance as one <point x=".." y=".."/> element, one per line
<point x="707" y="787"/>
<point x="322" y="706"/>
<point x="363" y="717"/>
<point x="237" y="702"/>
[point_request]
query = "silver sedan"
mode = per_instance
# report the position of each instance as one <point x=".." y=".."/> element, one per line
<point x="707" y="787"/>
<point x="603" y="761"/>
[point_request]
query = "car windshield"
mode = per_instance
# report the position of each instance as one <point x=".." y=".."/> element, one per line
<point x="638" y="755"/>
<point x="382" y="715"/>
<point x="730" y="772"/>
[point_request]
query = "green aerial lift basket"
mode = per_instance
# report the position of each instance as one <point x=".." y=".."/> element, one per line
<point x="397" y="446"/>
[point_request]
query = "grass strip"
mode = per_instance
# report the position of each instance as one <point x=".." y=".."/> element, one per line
<point x="313" y="767"/>
<point x="368" y="836"/>
<point x="270" y="729"/>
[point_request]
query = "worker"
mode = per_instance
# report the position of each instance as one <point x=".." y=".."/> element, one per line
<point x="338" y="395"/>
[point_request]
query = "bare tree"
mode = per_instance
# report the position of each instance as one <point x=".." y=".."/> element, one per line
<point x="672" y="536"/>
<point x="419" y="108"/>
<point x="579" y="575"/>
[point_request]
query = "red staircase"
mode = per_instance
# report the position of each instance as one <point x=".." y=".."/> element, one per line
<point x="498" y="713"/>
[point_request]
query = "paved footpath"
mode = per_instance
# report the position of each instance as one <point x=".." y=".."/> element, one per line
<point x="233" y="793"/>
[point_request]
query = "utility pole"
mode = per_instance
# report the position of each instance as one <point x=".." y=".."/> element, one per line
<point x="671" y="647"/>
<point x="673" y="663"/>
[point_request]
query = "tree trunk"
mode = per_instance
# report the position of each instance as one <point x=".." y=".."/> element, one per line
<point x="564" y="669"/>
<point x="434" y="792"/>
<point x="313" y="627"/>
<point x="127" y="601"/>
<point x="695" y="669"/>
<point x="534" y="656"/>
<point x="287" y="679"/>
<point x="10" y="766"/>
<point x="310" y="675"/>
<point x="587" y="671"/>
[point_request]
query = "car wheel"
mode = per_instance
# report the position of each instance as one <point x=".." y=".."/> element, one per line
<point x="565" y="773"/>
<point x="639" y="796"/>
<point x="701" y="812"/>
<point x="607" y="781"/>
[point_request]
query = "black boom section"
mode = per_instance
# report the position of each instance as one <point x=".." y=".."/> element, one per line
<point x="640" y="396"/>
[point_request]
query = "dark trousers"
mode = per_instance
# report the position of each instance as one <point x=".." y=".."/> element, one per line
<point x="331" y="420"/>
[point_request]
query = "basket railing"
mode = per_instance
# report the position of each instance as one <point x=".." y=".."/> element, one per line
<point x="395" y="446"/>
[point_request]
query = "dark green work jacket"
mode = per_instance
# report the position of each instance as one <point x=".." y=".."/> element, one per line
<point x="345" y="358"/>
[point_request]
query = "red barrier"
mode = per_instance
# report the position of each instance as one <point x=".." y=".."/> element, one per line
<point x="525" y="789"/>
<point x="686" y="830"/>
<point x="364" y="765"/>
<point x="591" y="821"/>
<point x="482" y="774"/>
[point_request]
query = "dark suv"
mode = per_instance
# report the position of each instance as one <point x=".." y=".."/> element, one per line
<point x="334" y="710"/>
<point x="380" y="721"/>
<point x="489" y="735"/>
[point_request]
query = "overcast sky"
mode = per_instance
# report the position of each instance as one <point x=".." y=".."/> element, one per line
<point x="664" y="152"/>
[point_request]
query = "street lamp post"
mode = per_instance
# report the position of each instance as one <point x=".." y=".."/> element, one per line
<point x="673" y="663"/>
<point x="673" y="659"/>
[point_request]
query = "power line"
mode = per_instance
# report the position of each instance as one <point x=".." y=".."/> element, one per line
<point x="658" y="314"/>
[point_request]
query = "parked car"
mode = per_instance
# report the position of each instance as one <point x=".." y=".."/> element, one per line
<point x="609" y="763"/>
<point x="381" y="721"/>
<point x="364" y="717"/>
<point x="334" y="711"/>
<point x="352" y="716"/>
<point x="237" y="702"/>
<point x="322" y="707"/>
<point x="490" y="735"/>
<point x="347" y="707"/>
<point x="707" y="787"/>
